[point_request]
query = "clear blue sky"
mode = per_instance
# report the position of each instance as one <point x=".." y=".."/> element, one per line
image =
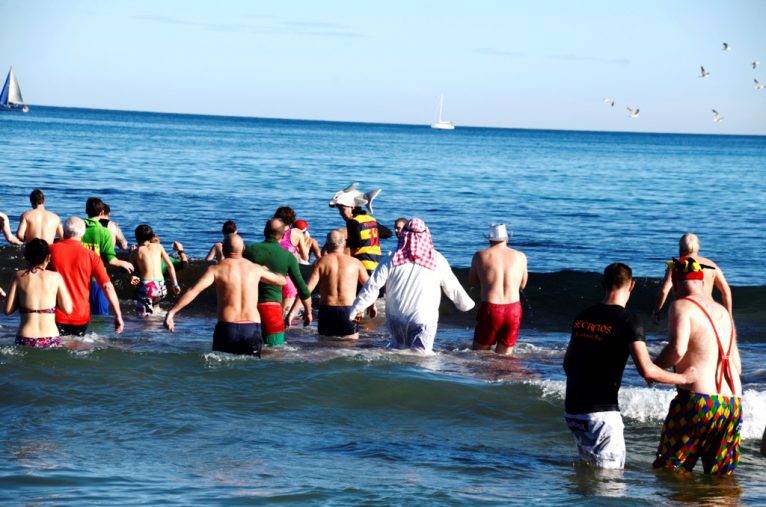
<point x="541" y="64"/>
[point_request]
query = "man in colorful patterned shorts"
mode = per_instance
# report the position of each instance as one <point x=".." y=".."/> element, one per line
<point x="705" y="420"/>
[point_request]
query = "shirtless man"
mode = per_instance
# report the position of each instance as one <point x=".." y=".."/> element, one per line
<point x="39" y="222"/>
<point x="705" y="417"/>
<point x="5" y="225"/>
<point x="148" y="258"/>
<point x="337" y="275"/>
<point x="118" y="238"/>
<point x="238" y="330"/>
<point x="689" y="245"/>
<point x="501" y="272"/>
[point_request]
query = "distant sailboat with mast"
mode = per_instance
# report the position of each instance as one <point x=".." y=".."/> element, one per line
<point x="10" y="97"/>
<point x="442" y="124"/>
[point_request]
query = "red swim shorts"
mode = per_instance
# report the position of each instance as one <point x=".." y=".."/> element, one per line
<point x="497" y="324"/>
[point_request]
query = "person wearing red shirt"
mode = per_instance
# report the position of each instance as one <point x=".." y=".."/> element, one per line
<point x="78" y="265"/>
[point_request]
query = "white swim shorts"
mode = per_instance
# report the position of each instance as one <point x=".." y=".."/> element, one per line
<point x="599" y="438"/>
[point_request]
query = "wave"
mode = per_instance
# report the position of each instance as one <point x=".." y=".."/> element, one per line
<point x="549" y="302"/>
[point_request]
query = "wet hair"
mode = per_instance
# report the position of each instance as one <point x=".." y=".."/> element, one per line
<point x="144" y="233"/>
<point x="94" y="207"/>
<point x="107" y="209"/>
<point x="286" y="214"/>
<point x="74" y="227"/>
<point x="36" y="197"/>
<point x="616" y="276"/>
<point x="229" y="227"/>
<point x="688" y="244"/>
<point x="271" y="230"/>
<point x="36" y="251"/>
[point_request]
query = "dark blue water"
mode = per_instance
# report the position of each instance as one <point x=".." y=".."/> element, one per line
<point x="152" y="418"/>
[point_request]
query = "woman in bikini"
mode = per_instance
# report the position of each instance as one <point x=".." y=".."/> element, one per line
<point x="36" y="293"/>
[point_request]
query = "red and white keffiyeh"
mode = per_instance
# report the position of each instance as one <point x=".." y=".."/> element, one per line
<point x="415" y="245"/>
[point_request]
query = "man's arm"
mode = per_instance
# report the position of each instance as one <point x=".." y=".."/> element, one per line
<point x="652" y="373"/>
<point x="473" y="273"/>
<point x="679" y="330"/>
<point x="60" y="230"/>
<point x="203" y="283"/>
<point x="6" y="226"/>
<point x="114" y="302"/>
<point x="662" y="295"/>
<point x="371" y="289"/>
<point x="171" y="270"/>
<point x="721" y="284"/>
<point x="22" y="229"/>
<point x="272" y="278"/>
<point x="525" y="274"/>
<point x="384" y="232"/>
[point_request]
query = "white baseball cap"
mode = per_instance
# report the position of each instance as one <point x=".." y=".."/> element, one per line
<point x="497" y="232"/>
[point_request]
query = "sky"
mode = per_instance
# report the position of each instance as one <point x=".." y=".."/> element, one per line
<point x="544" y="64"/>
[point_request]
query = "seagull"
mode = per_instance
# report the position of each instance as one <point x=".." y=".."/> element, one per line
<point x="726" y="47"/>
<point x="609" y="101"/>
<point x="717" y="118"/>
<point x="703" y="72"/>
<point x="755" y="64"/>
<point x="632" y="113"/>
<point x="758" y="85"/>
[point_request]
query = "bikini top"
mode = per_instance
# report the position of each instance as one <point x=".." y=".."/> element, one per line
<point x="723" y="358"/>
<point x="24" y="310"/>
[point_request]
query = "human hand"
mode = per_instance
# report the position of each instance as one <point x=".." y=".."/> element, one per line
<point x="169" y="324"/>
<point x="177" y="246"/>
<point x="690" y="375"/>
<point x="176" y="289"/>
<point x="307" y="317"/>
<point x="372" y="311"/>
<point x="134" y="280"/>
<point x="357" y="317"/>
<point x="127" y="267"/>
<point x="119" y="325"/>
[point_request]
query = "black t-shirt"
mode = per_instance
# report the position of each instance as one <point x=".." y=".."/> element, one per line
<point x="598" y="351"/>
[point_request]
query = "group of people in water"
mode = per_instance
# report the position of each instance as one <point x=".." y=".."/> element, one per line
<point x="260" y="289"/>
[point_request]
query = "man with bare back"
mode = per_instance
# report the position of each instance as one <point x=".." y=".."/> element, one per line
<point x="338" y="276"/>
<point x="705" y="417"/>
<point x="501" y="272"/>
<point x="238" y="330"/>
<point x="39" y="222"/>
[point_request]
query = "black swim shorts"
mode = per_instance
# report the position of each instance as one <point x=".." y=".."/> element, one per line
<point x="333" y="321"/>
<point x="238" y="338"/>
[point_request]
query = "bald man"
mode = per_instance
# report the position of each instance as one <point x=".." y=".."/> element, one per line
<point x="238" y="330"/>
<point x="338" y="275"/>
<point x="689" y="245"/>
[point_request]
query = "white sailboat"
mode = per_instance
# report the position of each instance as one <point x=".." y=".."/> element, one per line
<point x="10" y="97"/>
<point x="442" y="124"/>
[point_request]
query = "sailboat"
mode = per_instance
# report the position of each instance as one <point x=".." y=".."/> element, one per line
<point x="442" y="124"/>
<point x="10" y="97"/>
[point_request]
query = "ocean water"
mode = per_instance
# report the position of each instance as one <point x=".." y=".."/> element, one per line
<point x="150" y="417"/>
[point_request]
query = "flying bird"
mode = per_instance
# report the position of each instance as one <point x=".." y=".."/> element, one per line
<point x="726" y="47"/>
<point x="717" y="118"/>
<point x="632" y="113"/>
<point x="756" y="64"/>
<point x="703" y="72"/>
<point x="758" y="85"/>
<point x="609" y="101"/>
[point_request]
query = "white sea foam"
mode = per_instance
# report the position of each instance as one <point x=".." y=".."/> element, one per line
<point x="650" y="404"/>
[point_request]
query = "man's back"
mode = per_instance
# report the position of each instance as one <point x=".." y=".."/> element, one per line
<point x="149" y="261"/>
<point x="236" y="286"/>
<point x="502" y="271"/>
<point x="39" y="223"/>
<point x="693" y="331"/>
<point x="77" y="265"/>
<point x="339" y="275"/>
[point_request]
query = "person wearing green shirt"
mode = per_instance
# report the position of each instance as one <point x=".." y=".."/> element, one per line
<point x="270" y="254"/>
<point x="99" y="239"/>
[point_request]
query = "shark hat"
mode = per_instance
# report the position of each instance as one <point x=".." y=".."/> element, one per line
<point x="497" y="232"/>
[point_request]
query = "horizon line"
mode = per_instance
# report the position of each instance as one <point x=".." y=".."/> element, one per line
<point x="458" y="127"/>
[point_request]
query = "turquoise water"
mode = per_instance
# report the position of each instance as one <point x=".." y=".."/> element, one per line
<point x="156" y="418"/>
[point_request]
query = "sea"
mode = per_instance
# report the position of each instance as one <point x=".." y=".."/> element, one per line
<point x="150" y="417"/>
